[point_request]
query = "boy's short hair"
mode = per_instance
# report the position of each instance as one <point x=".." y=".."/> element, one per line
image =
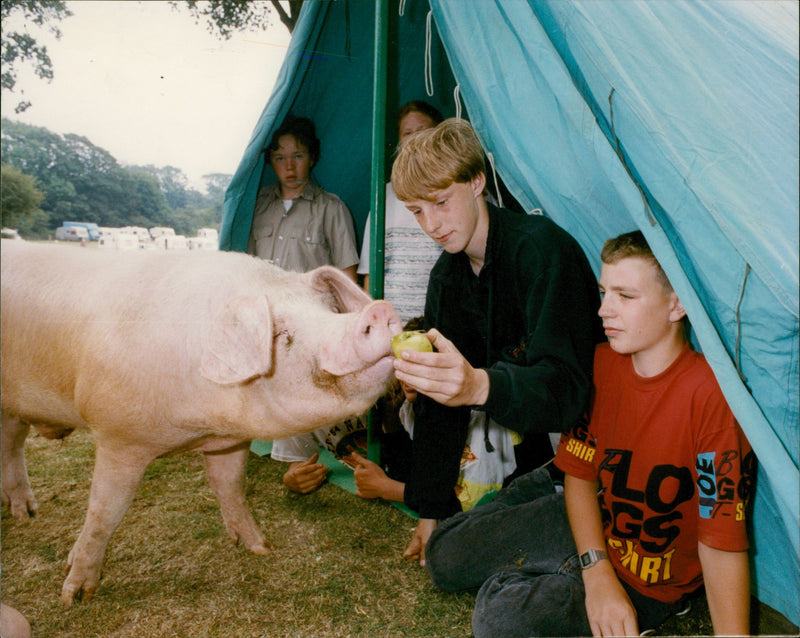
<point x="303" y="130"/>
<point x="435" y="158"/>
<point x="633" y="244"/>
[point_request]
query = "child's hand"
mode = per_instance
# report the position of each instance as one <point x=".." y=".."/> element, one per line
<point x="416" y="549"/>
<point x="372" y="481"/>
<point x="608" y="606"/>
<point x="305" y="476"/>
<point x="369" y="477"/>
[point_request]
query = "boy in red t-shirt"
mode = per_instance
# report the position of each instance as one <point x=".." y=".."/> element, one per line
<point x="655" y="490"/>
<point x="672" y="467"/>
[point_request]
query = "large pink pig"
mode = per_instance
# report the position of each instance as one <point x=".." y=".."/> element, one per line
<point x="158" y="353"/>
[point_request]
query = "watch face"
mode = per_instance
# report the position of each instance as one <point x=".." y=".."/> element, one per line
<point x="587" y="559"/>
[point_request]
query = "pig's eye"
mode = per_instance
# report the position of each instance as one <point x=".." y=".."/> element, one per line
<point x="286" y="335"/>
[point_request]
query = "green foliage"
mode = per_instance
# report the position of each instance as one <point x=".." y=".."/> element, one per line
<point x="20" y="200"/>
<point x="20" y="47"/>
<point x="224" y="17"/>
<point x="172" y="181"/>
<point x="83" y="182"/>
<point x="216" y="184"/>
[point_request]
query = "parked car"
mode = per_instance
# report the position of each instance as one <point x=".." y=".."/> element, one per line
<point x="72" y="233"/>
<point x="92" y="230"/>
<point x="10" y="233"/>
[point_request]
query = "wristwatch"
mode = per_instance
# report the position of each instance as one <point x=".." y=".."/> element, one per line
<point x="589" y="558"/>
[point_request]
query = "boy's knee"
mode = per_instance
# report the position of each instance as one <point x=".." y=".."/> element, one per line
<point x="498" y="610"/>
<point x="442" y="561"/>
<point x="449" y="560"/>
<point x="513" y="603"/>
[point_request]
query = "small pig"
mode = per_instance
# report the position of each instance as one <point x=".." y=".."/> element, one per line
<point x="159" y="353"/>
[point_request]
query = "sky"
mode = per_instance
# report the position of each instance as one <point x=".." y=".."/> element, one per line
<point x="144" y="82"/>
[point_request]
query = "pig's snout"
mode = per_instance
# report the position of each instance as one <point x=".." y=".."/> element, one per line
<point x="367" y="341"/>
<point x="377" y="323"/>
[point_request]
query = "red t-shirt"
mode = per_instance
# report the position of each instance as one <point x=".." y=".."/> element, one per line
<point x="673" y="466"/>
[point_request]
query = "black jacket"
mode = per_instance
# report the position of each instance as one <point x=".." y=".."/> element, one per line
<point x="530" y="319"/>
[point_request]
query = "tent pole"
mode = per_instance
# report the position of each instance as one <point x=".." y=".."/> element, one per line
<point x="378" y="193"/>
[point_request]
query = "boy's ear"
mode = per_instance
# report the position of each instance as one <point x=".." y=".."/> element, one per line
<point x="478" y="183"/>
<point x="677" y="311"/>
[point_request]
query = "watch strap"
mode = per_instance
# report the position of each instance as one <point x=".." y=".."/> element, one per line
<point x="590" y="557"/>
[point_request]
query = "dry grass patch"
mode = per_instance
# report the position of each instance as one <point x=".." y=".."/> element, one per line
<point x="171" y="570"/>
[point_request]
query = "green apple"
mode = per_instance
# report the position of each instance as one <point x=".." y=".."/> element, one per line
<point x="411" y="339"/>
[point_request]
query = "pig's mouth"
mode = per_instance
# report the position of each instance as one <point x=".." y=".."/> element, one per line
<point x="381" y="372"/>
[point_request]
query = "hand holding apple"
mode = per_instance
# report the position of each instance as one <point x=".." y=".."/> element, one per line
<point x="445" y="376"/>
<point x="411" y="340"/>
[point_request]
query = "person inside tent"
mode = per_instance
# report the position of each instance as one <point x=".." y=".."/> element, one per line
<point x="305" y="472"/>
<point x="481" y="473"/>
<point x="511" y="308"/>
<point x="296" y="224"/>
<point x="656" y="490"/>
<point x="409" y="254"/>
<point x="299" y="226"/>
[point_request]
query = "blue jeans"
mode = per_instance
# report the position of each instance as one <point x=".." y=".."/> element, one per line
<point x="518" y="552"/>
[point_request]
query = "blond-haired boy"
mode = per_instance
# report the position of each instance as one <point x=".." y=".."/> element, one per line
<point x="511" y="310"/>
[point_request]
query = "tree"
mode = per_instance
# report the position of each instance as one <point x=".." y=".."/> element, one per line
<point x="83" y="182"/>
<point x="216" y="185"/>
<point x="173" y="182"/>
<point x="19" y="47"/>
<point x="137" y="192"/>
<point x="224" y="17"/>
<point x="20" y="198"/>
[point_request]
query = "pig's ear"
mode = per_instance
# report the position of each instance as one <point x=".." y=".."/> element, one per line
<point x="239" y="344"/>
<point x="343" y="295"/>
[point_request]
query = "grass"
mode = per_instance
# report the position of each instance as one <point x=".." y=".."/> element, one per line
<point x="171" y="570"/>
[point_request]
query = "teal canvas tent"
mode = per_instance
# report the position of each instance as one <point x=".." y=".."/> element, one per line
<point x="677" y="118"/>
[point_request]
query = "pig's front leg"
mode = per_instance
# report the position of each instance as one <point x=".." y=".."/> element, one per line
<point x="118" y="471"/>
<point x="226" y="471"/>
<point x="16" y="488"/>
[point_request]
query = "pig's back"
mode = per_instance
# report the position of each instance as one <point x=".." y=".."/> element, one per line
<point x="75" y="319"/>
